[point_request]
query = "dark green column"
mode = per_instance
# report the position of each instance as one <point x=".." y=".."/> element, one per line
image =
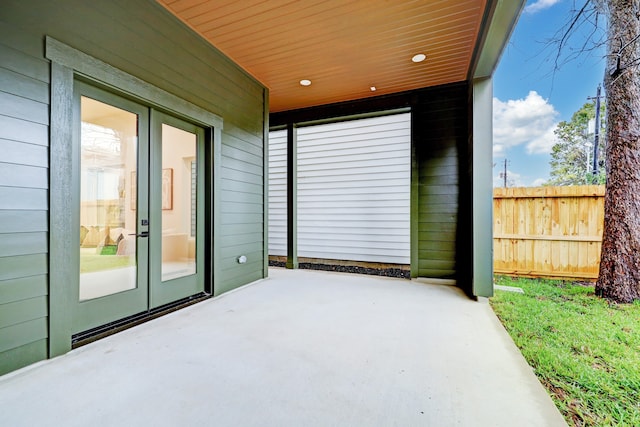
<point x="415" y="211"/>
<point x="482" y="192"/>
<point x="292" y="196"/>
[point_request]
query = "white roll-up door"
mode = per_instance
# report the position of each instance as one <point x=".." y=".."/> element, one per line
<point x="354" y="190"/>
<point x="278" y="193"/>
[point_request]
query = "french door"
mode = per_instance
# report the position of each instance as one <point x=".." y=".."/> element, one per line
<point x="139" y="208"/>
<point x="176" y="217"/>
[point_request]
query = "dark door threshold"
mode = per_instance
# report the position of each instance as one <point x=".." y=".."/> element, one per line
<point x="91" y="335"/>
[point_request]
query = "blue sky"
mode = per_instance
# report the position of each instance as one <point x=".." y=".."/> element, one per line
<point x="530" y="99"/>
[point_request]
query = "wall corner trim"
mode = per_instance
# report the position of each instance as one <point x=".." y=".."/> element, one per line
<point x="60" y="219"/>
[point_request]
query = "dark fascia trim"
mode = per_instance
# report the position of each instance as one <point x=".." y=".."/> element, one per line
<point x="95" y="70"/>
<point x="485" y="24"/>
<point x="498" y="22"/>
<point x="394" y="103"/>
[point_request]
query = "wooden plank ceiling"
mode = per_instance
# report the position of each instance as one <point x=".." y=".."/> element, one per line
<point x="344" y="47"/>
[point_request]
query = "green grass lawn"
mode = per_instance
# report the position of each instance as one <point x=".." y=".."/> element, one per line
<point x="90" y="262"/>
<point x="584" y="349"/>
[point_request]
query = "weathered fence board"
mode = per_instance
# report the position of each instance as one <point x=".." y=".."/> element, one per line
<point x="548" y="231"/>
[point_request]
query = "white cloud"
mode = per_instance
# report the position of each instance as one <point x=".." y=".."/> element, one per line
<point x="544" y="143"/>
<point x="513" y="179"/>
<point x="539" y="5"/>
<point x="538" y="182"/>
<point x="530" y="121"/>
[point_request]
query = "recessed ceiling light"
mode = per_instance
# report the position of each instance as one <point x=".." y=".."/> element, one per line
<point x="373" y="88"/>
<point x="305" y="82"/>
<point x="419" y="57"/>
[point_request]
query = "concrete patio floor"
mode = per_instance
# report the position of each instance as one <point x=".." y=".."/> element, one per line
<point x="302" y="348"/>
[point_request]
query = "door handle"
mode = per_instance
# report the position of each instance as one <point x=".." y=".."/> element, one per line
<point x="142" y="234"/>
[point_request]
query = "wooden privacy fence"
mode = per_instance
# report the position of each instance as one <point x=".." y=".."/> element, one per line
<point x="548" y="231"/>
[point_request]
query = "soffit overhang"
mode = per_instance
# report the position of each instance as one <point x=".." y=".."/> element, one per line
<point x="347" y="47"/>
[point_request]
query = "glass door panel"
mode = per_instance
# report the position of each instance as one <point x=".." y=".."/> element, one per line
<point x="108" y="161"/>
<point x="111" y="150"/>
<point x="176" y="209"/>
<point x="179" y="201"/>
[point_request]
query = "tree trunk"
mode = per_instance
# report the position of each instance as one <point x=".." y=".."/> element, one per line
<point x="619" y="278"/>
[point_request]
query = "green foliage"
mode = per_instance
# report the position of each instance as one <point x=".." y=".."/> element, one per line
<point x="572" y="156"/>
<point x="584" y="349"/>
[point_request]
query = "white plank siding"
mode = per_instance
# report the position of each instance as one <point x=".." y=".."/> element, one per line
<point x="278" y="193"/>
<point x="354" y="190"/>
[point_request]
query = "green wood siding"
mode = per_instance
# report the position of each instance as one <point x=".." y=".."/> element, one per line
<point x="23" y="288"/>
<point x="143" y="39"/>
<point x="24" y="119"/>
<point x="16" y="221"/>
<point x="24" y="355"/>
<point x="23" y="333"/>
<point x="440" y="128"/>
<point x="23" y="244"/>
